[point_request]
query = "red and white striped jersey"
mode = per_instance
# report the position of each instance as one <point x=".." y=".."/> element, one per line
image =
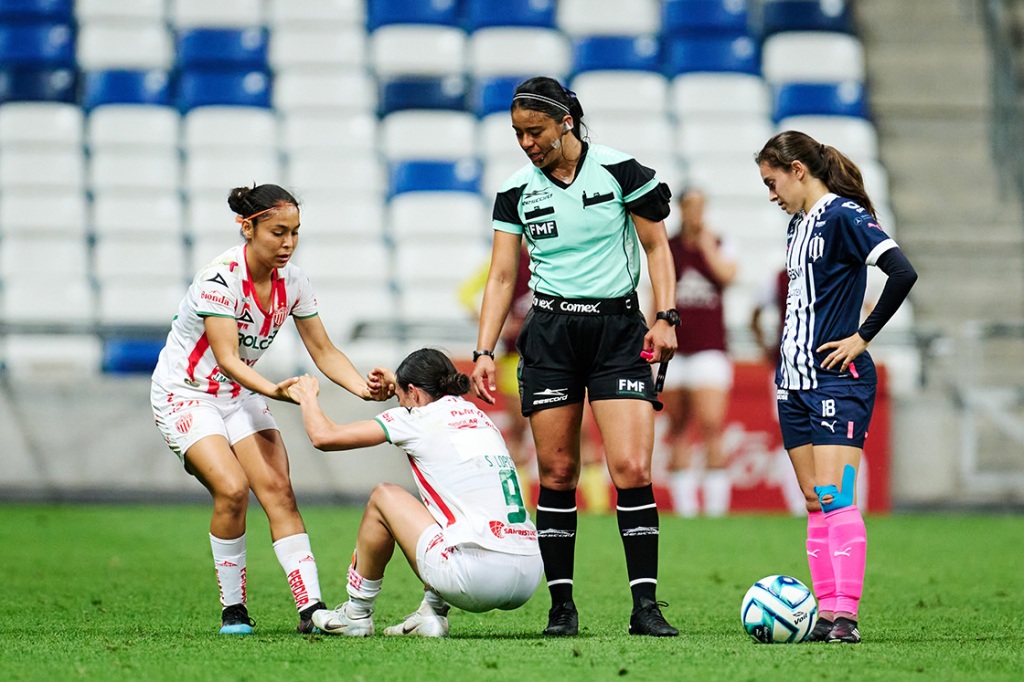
<point x="464" y="473"/>
<point x="224" y="288"/>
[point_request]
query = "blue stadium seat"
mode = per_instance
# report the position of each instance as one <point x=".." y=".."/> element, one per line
<point x="27" y="84"/>
<point x="820" y="99"/>
<point x="705" y="18"/>
<point x="222" y="47"/>
<point x="418" y="92"/>
<point x="383" y="12"/>
<point x="125" y="87"/>
<point x="22" y="10"/>
<point x="805" y="15"/>
<point x="687" y="55"/>
<point x="484" y="13"/>
<point x="435" y="176"/>
<point x="36" y="45"/>
<point x="231" y="88"/>
<point x="493" y="95"/>
<point x="601" y="53"/>
<point x="131" y="356"/>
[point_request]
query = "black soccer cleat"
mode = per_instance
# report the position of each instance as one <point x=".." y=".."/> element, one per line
<point x="563" y="620"/>
<point x="235" y="620"/>
<point x="844" y="631"/>
<point x="820" y="632"/>
<point x="305" y="626"/>
<point x="646" y="619"/>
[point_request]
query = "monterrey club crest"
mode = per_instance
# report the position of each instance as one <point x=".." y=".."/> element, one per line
<point x="816" y="248"/>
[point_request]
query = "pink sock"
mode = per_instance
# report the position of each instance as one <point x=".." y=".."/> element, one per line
<point x="819" y="560"/>
<point x="848" y="540"/>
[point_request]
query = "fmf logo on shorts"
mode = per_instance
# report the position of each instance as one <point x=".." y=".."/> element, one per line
<point x="632" y="386"/>
<point x="544" y="230"/>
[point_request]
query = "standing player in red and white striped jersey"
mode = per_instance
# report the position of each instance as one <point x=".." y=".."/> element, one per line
<point x="210" y="404"/>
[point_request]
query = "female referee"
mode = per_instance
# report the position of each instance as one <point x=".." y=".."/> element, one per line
<point x="826" y="379"/>
<point x="210" y="404"/>
<point x="585" y="211"/>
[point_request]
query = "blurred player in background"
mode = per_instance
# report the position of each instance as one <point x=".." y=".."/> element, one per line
<point x="470" y="540"/>
<point x="826" y="379"/>
<point x="699" y="378"/>
<point x="210" y="404"/>
<point x="585" y="211"/>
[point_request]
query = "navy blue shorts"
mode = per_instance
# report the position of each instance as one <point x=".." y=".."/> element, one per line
<point x="830" y="415"/>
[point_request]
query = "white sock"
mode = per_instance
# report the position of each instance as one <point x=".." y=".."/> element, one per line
<point x="684" y="492"/>
<point x="717" y="492"/>
<point x="436" y="602"/>
<point x="296" y="558"/>
<point x="229" y="562"/>
<point x="361" y="594"/>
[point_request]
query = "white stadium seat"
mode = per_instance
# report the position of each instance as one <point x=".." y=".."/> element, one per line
<point x="727" y="179"/>
<point x="135" y="126"/>
<point x="216" y="173"/>
<point x="40" y="124"/>
<point x="437" y="262"/>
<point x="621" y="92"/>
<point x="496" y="139"/>
<point x="331" y="90"/>
<point x="226" y="128"/>
<point x="140" y="257"/>
<point x="345" y="215"/>
<point x="31" y="299"/>
<point x="853" y="136"/>
<point x="812" y="57"/>
<point x="139" y="302"/>
<point x="718" y="94"/>
<point x="417" y="50"/>
<point x="38" y="211"/>
<point x="57" y="355"/>
<point x="306" y="47"/>
<point x="150" y="213"/>
<point x="316" y="13"/>
<point x="209" y="217"/>
<point x="639" y="135"/>
<point x="607" y="17"/>
<point x="132" y="45"/>
<point x="428" y="135"/>
<point x="22" y="168"/>
<point x="325" y="133"/>
<point x="434" y="302"/>
<point x="725" y="136"/>
<point x="219" y="14"/>
<point x="312" y="171"/>
<point x="120" y="10"/>
<point x="326" y="257"/>
<point x="507" y="51"/>
<point x="429" y="216"/>
<point x="28" y="255"/>
<point x="120" y="170"/>
<point x="208" y="245"/>
<point x="497" y="169"/>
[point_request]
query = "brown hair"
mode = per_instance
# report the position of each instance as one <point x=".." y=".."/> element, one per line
<point x="840" y="175"/>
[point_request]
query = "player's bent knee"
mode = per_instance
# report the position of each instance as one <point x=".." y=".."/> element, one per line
<point x="833" y="498"/>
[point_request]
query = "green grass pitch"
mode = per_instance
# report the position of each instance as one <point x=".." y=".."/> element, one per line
<point x="128" y="593"/>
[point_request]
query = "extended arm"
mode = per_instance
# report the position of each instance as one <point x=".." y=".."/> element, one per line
<point x="335" y="365"/>
<point x="222" y="333"/>
<point x="323" y="433"/>
<point x="661" y="338"/>
<point x="501" y="282"/>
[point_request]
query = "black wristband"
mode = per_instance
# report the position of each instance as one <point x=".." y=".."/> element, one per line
<point x="478" y="353"/>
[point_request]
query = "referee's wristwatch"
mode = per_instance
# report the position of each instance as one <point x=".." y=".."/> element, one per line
<point x="671" y="316"/>
<point x="478" y="353"/>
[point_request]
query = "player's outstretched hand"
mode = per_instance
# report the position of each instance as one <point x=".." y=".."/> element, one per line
<point x="381" y="382"/>
<point x="304" y="388"/>
<point x="483" y="379"/>
<point x="843" y="352"/>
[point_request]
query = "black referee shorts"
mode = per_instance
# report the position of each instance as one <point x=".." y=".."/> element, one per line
<point x="565" y="357"/>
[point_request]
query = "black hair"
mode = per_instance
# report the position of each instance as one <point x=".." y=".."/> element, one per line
<point x="547" y="96"/>
<point x="840" y="175"/>
<point x="433" y="372"/>
<point x="247" y="201"/>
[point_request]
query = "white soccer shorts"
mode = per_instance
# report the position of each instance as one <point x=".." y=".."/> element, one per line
<point x="706" y="369"/>
<point x="184" y="421"/>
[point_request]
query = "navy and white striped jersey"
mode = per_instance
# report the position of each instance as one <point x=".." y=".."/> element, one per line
<point x="828" y="250"/>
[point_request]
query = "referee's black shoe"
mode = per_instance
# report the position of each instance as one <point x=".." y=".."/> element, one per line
<point x="646" y="619"/>
<point x="563" y="620"/>
<point x="820" y="631"/>
<point x="305" y="626"/>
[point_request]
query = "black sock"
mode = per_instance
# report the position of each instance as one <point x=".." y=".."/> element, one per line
<point x="638" y="525"/>
<point x="556" y="535"/>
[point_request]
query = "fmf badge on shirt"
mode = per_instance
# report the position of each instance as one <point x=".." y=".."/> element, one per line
<point x="544" y="230"/>
<point x="816" y="248"/>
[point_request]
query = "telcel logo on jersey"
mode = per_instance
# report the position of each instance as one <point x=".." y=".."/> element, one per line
<point x="255" y="341"/>
<point x="544" y="230"/>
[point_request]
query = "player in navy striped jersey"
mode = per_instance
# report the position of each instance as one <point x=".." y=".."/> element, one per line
<point x="826" y="379"/>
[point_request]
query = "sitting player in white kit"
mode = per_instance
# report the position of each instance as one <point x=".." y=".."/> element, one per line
<point x="470" y="540"/>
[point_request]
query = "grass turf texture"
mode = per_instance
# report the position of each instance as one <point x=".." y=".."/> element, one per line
<point x="129" y="593"/>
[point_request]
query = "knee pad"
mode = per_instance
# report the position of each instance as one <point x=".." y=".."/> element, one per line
<point x="840" y="498"/>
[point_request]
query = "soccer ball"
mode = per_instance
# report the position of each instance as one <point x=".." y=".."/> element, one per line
<point x="778" y="609"/>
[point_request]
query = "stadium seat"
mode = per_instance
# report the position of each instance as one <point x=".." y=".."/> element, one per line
<point x="344" y="305"/>
<point x="143" y="302"/>
<point x="433" y="302"/>
<point x="63" y="356"/>
<point x="428" y="216"/>
<point x="121" y="170"/>
<point x="503" y="51"/>
<point x="497" y="140"/>
<point x="140" y="257"/>
<point x="324" y="91"/>
<point x="344" y="215"/>
<point x="37" y="85"/>
<point x="494" y="95"/>
<point x="30" y="255"/>
<point x="727" y="179"/>
<point x="497" y="170"/>
<point x="304" y="47"/>
<point x="316" y="13"/>
<point x="633" y="53"/>
<point x="435" y="176"/>
<point x="24" y="169"/>
<point x="206" y="247"/>
<point x="133" y="127"/>
<point x="726" y="136"/>
<point x="820" y="99"/>
<point x="329" y="133"/>
<point x="137" y="213"/>
<point x="622" y="92"/>
<point x="353" y="173"/>
<point x="436" y="12"/>
<point x="425" y="135"/>
<point x="125" y="46"/>
<point x="639" y="135"/>
<point x="229" y="128"/>
<point x="126" y="87"/>
<point x="438" y="262"/>
<point x="208" y="217"/>
<point x="805" y="15"/>
<point x="69" y="299"/>
<point x="36" y="10"/>
<point x="222" y="48"/>
<point x="420" y="92"/>
<point x="44" y="212"/>
<point x="121" y="10"/>
<point x="716" y="94"/>
<point x="215" y="173"/>
<point x="705" y="18"/>
<point x="876" y="180"/>
<point x="854" y="136"/>
<point x="328" y="257"/>
<point x="230" y="88"/>
<point x="417" y="51"/>
<point x="37" y="45"/>
<point x="126" y="355"/>
<point x="486" y="13"/>
<point x="40" y="124"/>
<point x="786" y="57"/>
<point x="687" y="55"/>
<point x="748" y="220"/>
<point x="187" y="14"/>
<point x="606" y="17"/>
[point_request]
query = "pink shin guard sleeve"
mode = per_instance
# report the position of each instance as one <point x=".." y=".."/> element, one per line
<point x="819" y="560"/>
<point x="848" y="541"/>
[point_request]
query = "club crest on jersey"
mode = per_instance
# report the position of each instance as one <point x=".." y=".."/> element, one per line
<point x="280" y="315"/>
<point x="184" y="423"/>
<point x="543" y="230"/>
<point x="816" y="249"/>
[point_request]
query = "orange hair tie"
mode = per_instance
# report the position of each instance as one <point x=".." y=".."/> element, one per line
<point x="239" y="219"/>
